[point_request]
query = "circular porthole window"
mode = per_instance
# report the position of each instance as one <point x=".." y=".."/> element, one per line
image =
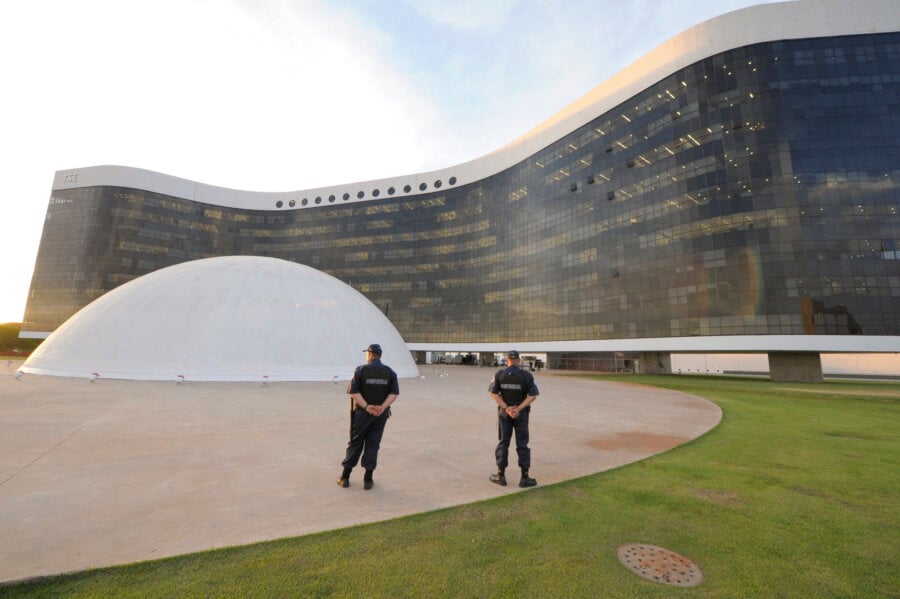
<point x="452" y="180"/>
<point x="423" y="186"/>
<point x="292" y="203"/>
<point x="437" y="184"/>
<point x="361" y="195"/>
<point x="279" y="204"/>
<point x="346" y="196"/>
<point x="391" y="191"/>
<point x="318" y="200"/>
<point x="375" y="193"/>
<point x="407" y="189"/>
<point x="304" y="201"/>
<point x="330" y="199"/>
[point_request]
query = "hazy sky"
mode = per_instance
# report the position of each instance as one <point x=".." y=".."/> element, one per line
<point x="280" y="95"/>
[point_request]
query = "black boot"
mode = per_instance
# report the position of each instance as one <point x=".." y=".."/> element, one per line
<point x="526" y="481"/>
<point x="344" y="480"/>
<point x="367" y="480"/>
<point x="499" y="478"/>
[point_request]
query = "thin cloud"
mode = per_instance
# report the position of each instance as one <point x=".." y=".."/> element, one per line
<point x="465" y="14"/>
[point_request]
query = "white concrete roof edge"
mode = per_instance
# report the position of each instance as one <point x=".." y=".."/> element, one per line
<point x="768" y="22"/>
<point x="177" y="377"/>
<point x="705" y="344"/>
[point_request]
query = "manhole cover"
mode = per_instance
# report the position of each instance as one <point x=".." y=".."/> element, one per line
<point x="660" y="565"/>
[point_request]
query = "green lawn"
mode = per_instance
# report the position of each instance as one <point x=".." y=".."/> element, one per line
<point x="794" y="494"/>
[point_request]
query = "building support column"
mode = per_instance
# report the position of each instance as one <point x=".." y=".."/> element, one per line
<point x="795" y="367"/>
<point x="655" y="363"/>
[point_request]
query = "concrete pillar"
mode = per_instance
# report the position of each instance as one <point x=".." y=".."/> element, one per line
<point x="795" y="367"/>
<point x="655" y="363"/>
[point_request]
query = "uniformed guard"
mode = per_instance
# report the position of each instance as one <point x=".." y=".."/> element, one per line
<point x="513" y="390"/>
<point x="372" y="390"/>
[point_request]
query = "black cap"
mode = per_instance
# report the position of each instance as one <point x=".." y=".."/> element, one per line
<point x="374" y="348"/>
<point x="513" y="354"/>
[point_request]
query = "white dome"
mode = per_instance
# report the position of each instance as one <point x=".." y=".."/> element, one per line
<point x="233" y="318"/>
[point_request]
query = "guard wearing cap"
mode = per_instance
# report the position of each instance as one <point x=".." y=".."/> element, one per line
<point x="513" y="390"/>
<point x="372" y="390"/>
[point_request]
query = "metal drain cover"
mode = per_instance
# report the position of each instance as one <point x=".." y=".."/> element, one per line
<point x="660" y="565"/>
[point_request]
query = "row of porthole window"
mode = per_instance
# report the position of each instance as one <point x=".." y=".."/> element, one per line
<point x="361" y="194"/>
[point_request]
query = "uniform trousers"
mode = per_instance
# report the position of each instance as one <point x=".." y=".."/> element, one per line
<point x="506" y="426"/>
<point x="365" y="438"/>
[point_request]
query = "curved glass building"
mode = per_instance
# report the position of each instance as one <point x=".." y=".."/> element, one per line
<point x="733" y="190"/>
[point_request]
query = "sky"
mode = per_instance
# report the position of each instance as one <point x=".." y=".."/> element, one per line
<point x="283" y="95"/>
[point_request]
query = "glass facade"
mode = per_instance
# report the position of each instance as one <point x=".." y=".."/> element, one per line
<point x="753" y="192"/>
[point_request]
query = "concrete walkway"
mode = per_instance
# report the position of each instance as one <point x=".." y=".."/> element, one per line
<point x="110" y="472"/>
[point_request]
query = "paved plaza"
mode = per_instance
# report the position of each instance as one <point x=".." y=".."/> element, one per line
<point x="112" y="471"/>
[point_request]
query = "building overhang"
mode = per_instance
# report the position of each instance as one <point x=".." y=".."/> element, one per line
<point x="707" y="344"/>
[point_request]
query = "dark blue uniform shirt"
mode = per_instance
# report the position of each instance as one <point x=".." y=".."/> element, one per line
<point x="513" y="384"/>
<point x="374" y="381"/>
